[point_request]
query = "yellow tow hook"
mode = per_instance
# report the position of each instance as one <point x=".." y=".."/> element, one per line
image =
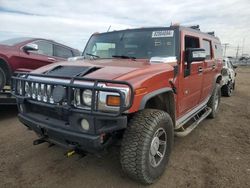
<point x="70" y="153"/>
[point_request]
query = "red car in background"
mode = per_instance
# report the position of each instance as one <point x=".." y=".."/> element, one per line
<point x="25" y="54"/>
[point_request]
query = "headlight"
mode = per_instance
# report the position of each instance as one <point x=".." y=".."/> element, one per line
<point x="87" y="97"/>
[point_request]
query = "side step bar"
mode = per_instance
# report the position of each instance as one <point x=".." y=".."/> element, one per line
<point x="184" y="131"/>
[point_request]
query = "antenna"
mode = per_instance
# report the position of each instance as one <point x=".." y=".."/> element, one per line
<point x="109" y="28"/>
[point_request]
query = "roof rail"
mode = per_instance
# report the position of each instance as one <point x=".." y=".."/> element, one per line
<point x="197" y="27"/>
<point x="211" y="33"/>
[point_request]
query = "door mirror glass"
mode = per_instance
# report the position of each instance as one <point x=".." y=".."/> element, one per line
<point x="30" y="47"/>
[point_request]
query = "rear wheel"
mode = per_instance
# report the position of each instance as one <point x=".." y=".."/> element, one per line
<point x="146" y="145"/>
<point x="2" y="79"/>
<point x="214" y="101"/>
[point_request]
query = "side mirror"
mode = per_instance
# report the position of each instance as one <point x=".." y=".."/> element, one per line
<point x="192" y="55"/>
<point x="195" y="54"/>
<point x="30" y="47"/>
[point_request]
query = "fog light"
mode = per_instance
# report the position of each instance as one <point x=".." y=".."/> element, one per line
<point x="85" y="124"/>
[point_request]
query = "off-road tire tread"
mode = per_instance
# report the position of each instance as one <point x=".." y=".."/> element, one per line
<point x="212" y="99"/>
<point x="137" y="138"/>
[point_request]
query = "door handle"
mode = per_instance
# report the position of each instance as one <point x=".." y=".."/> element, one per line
<point x="200" y="70"/>
<point x="51" y="59"/>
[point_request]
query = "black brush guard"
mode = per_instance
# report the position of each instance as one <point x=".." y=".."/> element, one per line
<point x="23" y="77"/>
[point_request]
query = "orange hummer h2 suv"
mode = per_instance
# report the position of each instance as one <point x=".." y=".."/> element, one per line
<point x="138" y="86"/>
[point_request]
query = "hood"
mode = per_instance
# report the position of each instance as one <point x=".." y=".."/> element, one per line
<point x="110" y="69"/>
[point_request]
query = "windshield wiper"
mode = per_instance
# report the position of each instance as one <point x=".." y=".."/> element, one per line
<point x="92" y="55"/>
<point x="124" y="57"/>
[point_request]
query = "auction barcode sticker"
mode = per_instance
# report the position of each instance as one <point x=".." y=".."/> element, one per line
<point x="164" y="33"/>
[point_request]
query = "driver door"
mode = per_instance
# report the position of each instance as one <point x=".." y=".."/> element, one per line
<point x="190" y="91"/>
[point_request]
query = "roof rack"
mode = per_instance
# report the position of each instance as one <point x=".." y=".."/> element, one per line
<point x="197" y="27"/>
<point x="211" y="33"/>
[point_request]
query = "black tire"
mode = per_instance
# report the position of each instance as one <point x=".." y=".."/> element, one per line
<point x="2" y="79"/>
<point x="136" y="148"/>
<point x="234" y="85"/>
<point x="227" y="90"/>
<point x="212" y="103"/>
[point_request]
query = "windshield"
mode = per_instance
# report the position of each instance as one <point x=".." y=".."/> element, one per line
<point x="142" y="44"/>
<point x="14" y="41"/>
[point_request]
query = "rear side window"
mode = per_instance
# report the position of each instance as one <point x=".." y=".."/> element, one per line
<point x="62" y="52"/>
<point x="217" y="51"/>
<point x="44" y="48"/>
<point x="207" y="46"/>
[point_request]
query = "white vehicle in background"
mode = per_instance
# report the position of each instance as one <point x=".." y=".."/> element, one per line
<point x="228" y="77"/>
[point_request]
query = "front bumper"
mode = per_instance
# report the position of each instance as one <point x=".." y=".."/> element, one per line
<point x="63" y="126"/>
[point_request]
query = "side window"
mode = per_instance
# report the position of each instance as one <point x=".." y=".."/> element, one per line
<point x="217" y="51"/>
<point x="62" y="52"/>
<point x="191" y="42"/>
<point x="207" y="46"/>
<point x="44" y="48"/>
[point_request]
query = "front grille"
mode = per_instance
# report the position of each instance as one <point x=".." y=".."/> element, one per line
<point x="39" y="92"/>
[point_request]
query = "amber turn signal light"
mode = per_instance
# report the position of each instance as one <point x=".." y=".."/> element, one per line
<point x="113" y="100"/>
